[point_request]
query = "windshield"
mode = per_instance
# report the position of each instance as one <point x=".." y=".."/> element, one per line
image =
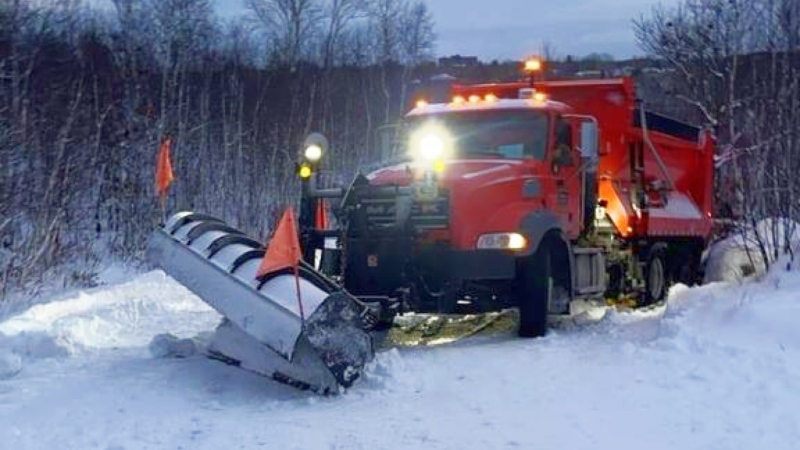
<point x="515" y="134"/>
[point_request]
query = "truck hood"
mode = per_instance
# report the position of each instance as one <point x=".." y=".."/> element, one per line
<point x="484" y="195"/>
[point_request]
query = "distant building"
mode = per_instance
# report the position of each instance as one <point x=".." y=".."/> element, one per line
<point x="459" y="61"/>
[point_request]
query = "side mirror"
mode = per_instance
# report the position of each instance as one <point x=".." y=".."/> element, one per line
<point x="589" y="141"/>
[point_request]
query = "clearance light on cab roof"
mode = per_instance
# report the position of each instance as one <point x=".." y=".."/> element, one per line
<point x="533" y="65"/>
<point x="532" y="94"/>
<point x="474" y="99"/>
<point x="421" y="103"/>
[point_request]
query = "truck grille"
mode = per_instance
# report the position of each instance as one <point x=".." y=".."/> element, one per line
<point x="425" y="214"/>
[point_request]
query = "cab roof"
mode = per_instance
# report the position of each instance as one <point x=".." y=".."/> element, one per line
<point x="485" y="105"/>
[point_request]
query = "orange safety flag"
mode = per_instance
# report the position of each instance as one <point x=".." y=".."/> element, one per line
<point x="321" y="217"/>
<point x="283" y="250"/>
<point x="164" y="174"/>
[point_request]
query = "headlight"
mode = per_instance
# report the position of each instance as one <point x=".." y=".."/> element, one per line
<point x="502" y="241"/>
<point x="313" y="153"/>
<point x="431" y="147"/>
<point x="430" y="143"/>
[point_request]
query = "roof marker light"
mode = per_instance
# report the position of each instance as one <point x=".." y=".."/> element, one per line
<point x="459" y="100"/>
<point x="490" y="98"/>
<point x="474" y="98"/>
<point x="421" y="103"/>
<point x="533" y="65"/>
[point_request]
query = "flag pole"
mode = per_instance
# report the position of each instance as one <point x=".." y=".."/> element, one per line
<point x="299" y="299"/>
<point x="283" y="252"/>
<point x="163" y="201"/>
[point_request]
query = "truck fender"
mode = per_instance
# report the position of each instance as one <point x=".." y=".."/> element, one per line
<point x="538" y="224"/>
<point x="535" y="226"/>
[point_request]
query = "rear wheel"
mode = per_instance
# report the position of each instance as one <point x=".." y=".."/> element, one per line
<point x="656" y="279"/>
<point x="686" y="264"/>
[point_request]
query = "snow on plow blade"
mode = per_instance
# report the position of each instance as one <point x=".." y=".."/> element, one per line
<point x="263" y="330"/>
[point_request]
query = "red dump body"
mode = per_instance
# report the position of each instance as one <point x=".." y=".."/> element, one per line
<point x="673" y="169"/>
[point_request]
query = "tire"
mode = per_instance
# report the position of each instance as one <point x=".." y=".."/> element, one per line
<point x="686" y="266"/>
<point x="656" y="276"/>
<point x="537" y="293"/>
<point x="616" y="281"/>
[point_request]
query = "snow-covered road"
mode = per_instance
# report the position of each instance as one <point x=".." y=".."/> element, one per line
<point x="718" y="368"/>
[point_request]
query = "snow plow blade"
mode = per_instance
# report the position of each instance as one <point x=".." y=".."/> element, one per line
<point x="263" y="328"/>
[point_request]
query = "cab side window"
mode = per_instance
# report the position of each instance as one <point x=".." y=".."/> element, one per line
<point x="562" y="154"/>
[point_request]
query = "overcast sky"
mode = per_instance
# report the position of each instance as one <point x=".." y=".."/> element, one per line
<point x="512" y="29"/>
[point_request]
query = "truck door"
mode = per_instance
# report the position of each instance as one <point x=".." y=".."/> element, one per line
<point x="565" y="166"/>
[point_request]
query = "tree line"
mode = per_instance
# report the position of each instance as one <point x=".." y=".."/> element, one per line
<point x="86" y="94"/>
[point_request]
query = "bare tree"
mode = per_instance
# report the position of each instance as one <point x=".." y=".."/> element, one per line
<point x="385" y="16"/>
<point x="339" y="14"/>
<point x="290" y="23"/>
<point x="417" y="37"/>
<point x="86" y="96"/>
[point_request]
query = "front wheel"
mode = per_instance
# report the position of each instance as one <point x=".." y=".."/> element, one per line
<point x="540" y="290"/>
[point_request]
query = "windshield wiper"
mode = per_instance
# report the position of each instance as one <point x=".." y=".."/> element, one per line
<point x="484" y="153"/>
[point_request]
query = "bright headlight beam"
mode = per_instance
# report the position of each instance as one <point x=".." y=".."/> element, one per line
<point x="431" y="147"/>
<point x="313" y="153"/>
<point x="429" y="143"/>
<point x="516" y="241"/>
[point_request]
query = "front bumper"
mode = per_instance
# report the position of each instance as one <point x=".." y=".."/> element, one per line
<point x="384" y="266"/>
<point x="479" y="264"/>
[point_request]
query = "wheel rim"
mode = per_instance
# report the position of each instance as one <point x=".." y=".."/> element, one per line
<point x="656" y="278"/>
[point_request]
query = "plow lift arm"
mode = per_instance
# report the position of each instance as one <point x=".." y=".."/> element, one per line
<point x="321" y="344"/>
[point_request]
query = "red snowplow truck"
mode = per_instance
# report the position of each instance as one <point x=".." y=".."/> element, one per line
<point x="528" y="194"/>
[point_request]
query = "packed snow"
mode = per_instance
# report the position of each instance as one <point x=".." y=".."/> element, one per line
<point x="739" y="255"/>
<point x="717" y="367"/>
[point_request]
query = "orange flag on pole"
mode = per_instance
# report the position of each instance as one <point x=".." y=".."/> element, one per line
<point x="164" y="174"/>
<point x="321" y="216"/>
<point x="283" y="250"/>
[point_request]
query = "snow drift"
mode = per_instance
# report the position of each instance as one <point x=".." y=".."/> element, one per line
<point x="718" y="367"/>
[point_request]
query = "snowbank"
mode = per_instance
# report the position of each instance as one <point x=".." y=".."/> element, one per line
<point x="718" y="367"/>
<point x="170" y="346"/>
<point x="739" y="255"/>
<point x="10" y="364"/>
<point x="123" y="315"/>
